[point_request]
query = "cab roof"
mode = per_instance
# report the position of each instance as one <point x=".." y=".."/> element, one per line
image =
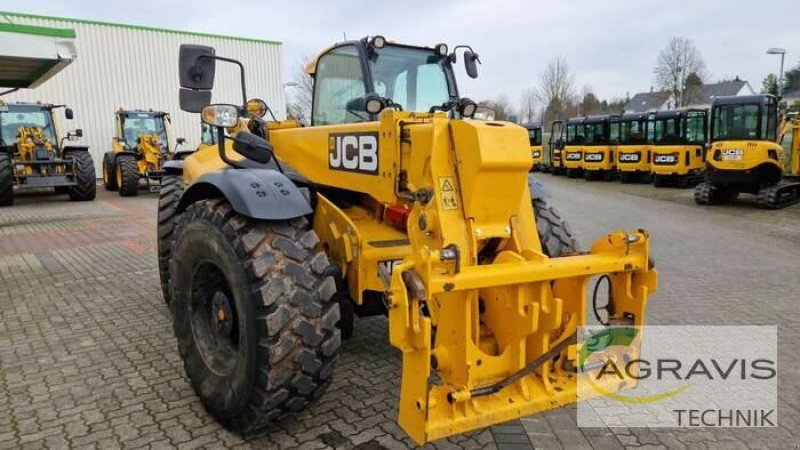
<point x="533" y="125"/>
<point x="742" y="100"/>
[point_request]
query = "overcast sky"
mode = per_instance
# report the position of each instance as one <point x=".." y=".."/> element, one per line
<point x="611" y="48"/>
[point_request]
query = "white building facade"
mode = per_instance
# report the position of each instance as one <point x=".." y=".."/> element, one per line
<point x="136" y="67"/>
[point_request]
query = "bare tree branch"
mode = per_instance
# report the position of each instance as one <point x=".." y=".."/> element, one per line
<point x="301" y="92"/>
<point x="556" y="89"/>
<point x="675" y="62"/>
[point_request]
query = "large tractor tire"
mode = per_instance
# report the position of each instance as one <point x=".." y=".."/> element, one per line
<point x="109" y="172"/>
<point x="555" y="234"/>
<point x="706" y="193"/>
<point x="127" y="175"/>
<point x="169" y="197"/>
<point x="6" y="180"/>
<point x="85" y="187"/>
<point x="253" y="312"/>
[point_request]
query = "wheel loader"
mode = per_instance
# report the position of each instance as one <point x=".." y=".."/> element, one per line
<point x="746" y="155"/>
<point x="679" y="153"/>
<point x="635" y="149"/>
<point x="392" y="202"/>
<point x="601" y="134"/>
<point x="33" y="154"/>
<point x="139" y="149"/>
<point x="573" y="147"/>
<point x="555" y="146"/>
<point x="535" y="141"/>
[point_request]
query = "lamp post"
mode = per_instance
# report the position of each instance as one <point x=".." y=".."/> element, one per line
<point x="782" y="52"/>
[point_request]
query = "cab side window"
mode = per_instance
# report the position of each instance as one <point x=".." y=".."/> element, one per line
<point x="338" y="85"/>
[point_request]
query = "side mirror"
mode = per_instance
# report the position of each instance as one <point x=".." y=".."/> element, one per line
<point x="193" y="101"/>
<point x="180" y="141"/>
<point x="257" y="107"/>
<point x="79" y="132"/>
<point x="196" y="65"/>
<point x="253" y="147"/>
<point x="68" y="113"/>
<point x="470" y="63"/>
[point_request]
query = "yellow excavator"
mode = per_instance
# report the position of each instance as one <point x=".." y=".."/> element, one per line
<point x="572" y="154"/>
<point x="393" y="201"/>
<point x="535" y="141"/>
<point x="746" y="155"/>
<point x="635" y="148"/>
<point x="555" y="146"/>
<point x="601" y="134"/>
<point x="140" y="147"/>
<point x="679" y="152"/>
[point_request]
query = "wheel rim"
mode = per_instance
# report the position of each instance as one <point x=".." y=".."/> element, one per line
<point x="105" y="173"/>
<point x="118" y="173"/>
<point x="213" y="318"/>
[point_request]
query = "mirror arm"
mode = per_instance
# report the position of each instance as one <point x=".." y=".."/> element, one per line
<point x="241" y="72"/>
<point x="221" y="148"/>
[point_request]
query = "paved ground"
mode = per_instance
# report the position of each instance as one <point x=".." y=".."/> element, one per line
<point x="87" y="356"/>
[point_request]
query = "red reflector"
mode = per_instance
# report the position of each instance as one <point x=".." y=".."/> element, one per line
<point x="397" y="216"/>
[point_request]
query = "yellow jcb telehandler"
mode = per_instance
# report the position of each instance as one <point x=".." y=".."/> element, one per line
<point x="746" y="155"/>
<point x="33" y="154"/>
<point x="392" y="202"/>
<point x="140" y="148"/>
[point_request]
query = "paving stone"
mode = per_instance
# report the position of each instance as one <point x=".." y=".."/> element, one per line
<point x="88" y="357"/>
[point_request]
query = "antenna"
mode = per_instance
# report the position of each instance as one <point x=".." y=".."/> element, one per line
<point x="344" y="35"/>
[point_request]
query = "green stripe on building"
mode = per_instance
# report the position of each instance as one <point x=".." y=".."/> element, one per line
<point x="38" y="31"/>
<point x="132" y="27"/>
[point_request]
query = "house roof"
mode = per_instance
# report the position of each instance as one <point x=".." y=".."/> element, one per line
<point x="703" y="95"/>
<point x="645" y="101"/>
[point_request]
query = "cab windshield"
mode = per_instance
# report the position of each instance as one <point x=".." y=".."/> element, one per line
<point x="575" y="134"/>
<point x="136" y="124"/>
<point x="743" y="122"/>
<point x="633" y="132"/>
<point x="415" y="78"/>
<point x="597" y="133"/>
<point x="668" y="130"/>
<point x="14" y="117"/>
<point x="535" y="137"/>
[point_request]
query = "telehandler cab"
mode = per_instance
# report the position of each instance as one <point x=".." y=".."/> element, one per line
<point x="555" y="146"/>
<point x="746" y="155"/>
<point x="33" y="154"/>
<point x="679" y="153"/>
<point x="392" y="202"/>
<point x="573" y="147"/>
<point x="601" y="134"/>
<point x="535" y="141"/>
<point x="140" y="148"/>
<point x="635" y="148"/>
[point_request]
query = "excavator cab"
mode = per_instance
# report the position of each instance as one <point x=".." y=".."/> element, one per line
<point x="634" y="151"/>
<point x="535" y="141"/>
<point x="679" y="153"/>
<point x="575" y="138"/>
<point x="601" y="137"/>
<point x="555" y="146"/>
<point x="745" y="155"/>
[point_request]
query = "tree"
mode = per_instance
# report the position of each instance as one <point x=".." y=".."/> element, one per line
<point x="501" y="106"/>
<point x="675" y="62"/>
<point x="770" y="84"/>
<point x="528" y="105"/>
<point x="590" y="104"/>
<point x="556" y="90"/>
<point x="791" y="79"/>
<point x="301" y="93"/>
<point x="692" y="87"/>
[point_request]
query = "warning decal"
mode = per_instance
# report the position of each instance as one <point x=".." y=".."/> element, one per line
<point x="447" y="190"/>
